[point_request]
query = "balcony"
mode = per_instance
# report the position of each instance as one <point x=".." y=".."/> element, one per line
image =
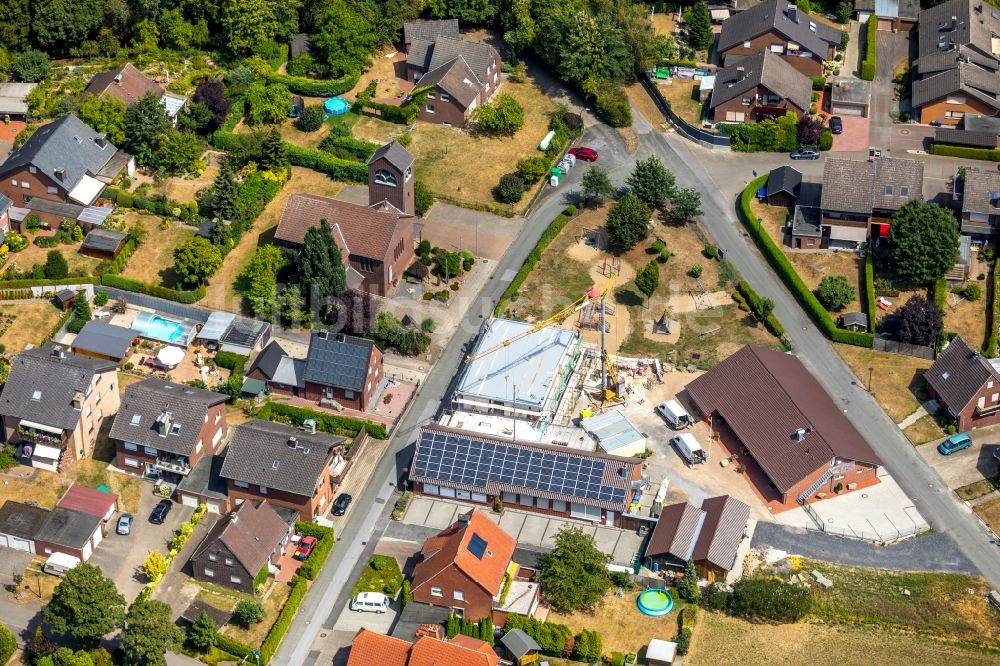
<point x="26" y="434"/>
<point x="175" y="464"/>
<point x="987" y="410"/>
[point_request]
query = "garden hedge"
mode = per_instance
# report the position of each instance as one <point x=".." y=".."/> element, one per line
<point x="234" y="647"/>
<point x="994" y="314"/>
<point x="284" y="621"/>
<point x="310" y="568"/>
<point x="43" y="282"/>
<point x="870" y="287"/>
<point x="991" y="154"/>
<point x="325" y="422"/>
<point x="230" y="360"/>
<point x="750" y="297"/>
<point x="783" y="267"/>
<point x="869" y="65"/>
<point x="347" y="171"/>
<point x="300" y="85"/>
<point x="128" y="284"/>
<point x="401" y="115"/>
<point x="534" y="256"/>
<point x="939" y="294"/>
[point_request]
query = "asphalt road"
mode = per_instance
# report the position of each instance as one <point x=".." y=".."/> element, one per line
<point x="931" y="496"/>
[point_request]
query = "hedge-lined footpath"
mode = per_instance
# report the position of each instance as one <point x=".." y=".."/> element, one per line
<point x="300" y="85"/>
<point x="993" y="320"/>
<point x="534" y="256"/>
<point x="331" y="423"/>
<point x="990" y="154"/>
<point x="870" y="64"/>
<point x="783" y="267"/>
<point x="870" y="287"/>
<point x="128" y="284"/>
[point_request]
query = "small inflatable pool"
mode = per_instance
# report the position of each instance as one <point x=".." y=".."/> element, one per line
<point x="655" y="602"/>
<point x="336" y="106"/>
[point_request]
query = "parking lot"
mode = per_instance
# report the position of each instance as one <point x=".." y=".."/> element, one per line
<point x="969" y="465"/>
<point x="120" y="557"/>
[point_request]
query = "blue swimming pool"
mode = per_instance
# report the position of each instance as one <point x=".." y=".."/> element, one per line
<point x="155" y="327"/>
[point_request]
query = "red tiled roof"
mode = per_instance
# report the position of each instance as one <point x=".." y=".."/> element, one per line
<point x="429" y="651"/>
<point x="451" y="547"/>
<point x="130" y="87"/>
<point x="362" y="231"/>
<point x="372" y="649"/>
<point x="88" y="500"/>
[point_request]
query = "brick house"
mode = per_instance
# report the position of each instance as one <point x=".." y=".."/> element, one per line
<point x="462" y="75"/>
<point x="966" y="384"/>
<point x="793" y="440"/>
<point x="778" y="27"/>
<point x="980" y="214"/>
<point x="708" y="536"/>
<point x="370" y="648"/>
<point x="53" y="405"/>
<point x="288" y="467"/>
<point x="762" y="85"/>
<point x="376" y="242"/>
<point x="343" y="369"/>
<point x="60" y="172"/>
<point x="5" y="206"/>
<point x="428" y="31"/>
<point x="129" y="85"/>
<point x="566" y="482"/>
<point x="163" y="429"/>
<point x="860" y="197"/>
<point x="463" y="566"/>
<point x="957" y="71"/>
<point x="281" y="372"/>
<point x="240" y="545"/>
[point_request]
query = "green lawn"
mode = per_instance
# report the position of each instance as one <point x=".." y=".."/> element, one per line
<point x="381" y="574"/>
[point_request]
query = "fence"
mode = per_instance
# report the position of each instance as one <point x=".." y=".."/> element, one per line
<point x="159" y="304"/>
<point x="704" y="137"/>
<point x="883" y="537"/>
<point x="906" y="349"/>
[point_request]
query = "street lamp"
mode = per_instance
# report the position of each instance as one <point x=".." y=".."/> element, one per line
<point x="38" y="582"/>
<point x="870" y="371"/>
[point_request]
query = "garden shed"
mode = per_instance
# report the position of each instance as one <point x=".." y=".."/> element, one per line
<point x="103" y="243"/>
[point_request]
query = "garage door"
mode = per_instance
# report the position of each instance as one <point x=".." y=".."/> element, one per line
<point x="189" y="500"/>
<point x="846" y="110"/>
<point x="214" y="506"/>
<point x="20" y="544"/>
<point x="885" y="24"/>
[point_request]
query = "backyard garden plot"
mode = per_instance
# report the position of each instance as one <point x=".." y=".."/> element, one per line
<point x="153" y="261"/>
<point x="897" y="380"/>
<point x="186" y="188"/>
<point x="272" y="599"/>
<point x="32" y="321"/>
<point x="79" y="264"/>
<point x="684" y="100"/>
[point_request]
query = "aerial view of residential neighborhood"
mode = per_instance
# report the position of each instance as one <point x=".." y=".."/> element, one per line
<point x="517" y="333"/>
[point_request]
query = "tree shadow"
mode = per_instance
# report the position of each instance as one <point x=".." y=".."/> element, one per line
<point x="627" y="296"/>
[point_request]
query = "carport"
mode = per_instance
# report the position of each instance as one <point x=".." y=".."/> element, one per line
<point x="850" y="97"/>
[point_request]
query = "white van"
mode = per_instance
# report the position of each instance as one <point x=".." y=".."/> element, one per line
<point x="59" y="564"/>
<point x="674" y="414"/>
<point x="689" y="448"/>
<point x="370" y="602"/>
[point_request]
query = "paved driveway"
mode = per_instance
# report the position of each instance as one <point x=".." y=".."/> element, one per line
<point x="855" y="135"/>
<point x="11" y="562"/>
<point x="969" y="465"/>
<point x="910" y="138"/>
<point x="120" y="557"/>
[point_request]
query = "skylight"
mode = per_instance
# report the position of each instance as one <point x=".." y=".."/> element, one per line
<point x="36" y="394"/>
<point x="136" y="418"/>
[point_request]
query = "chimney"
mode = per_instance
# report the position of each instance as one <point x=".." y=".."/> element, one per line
<point x="59" y="352"/>
<point x="800" y="434"/>
<point x="101" y="141"/>
<point x="293" y="443"/>
<point x="60" y="173"/>
<point x="341" y="337"/>
<point x="322" y="335"/>
<point x="793" y="13"/>
<point x="118" y="79"/>
<point x="954" y="22"/>
<point x="163" y="423"/>
<point x="78" y="398"/>
<point x="464" y="518"/>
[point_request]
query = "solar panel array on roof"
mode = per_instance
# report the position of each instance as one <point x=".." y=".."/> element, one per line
<point x="477" y="546"/>
<point x="455" y="458"/>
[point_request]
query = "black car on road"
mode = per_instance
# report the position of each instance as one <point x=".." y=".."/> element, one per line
<point x="341" y="503"/>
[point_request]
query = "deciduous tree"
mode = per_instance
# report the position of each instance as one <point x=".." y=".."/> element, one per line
<point x="196" y="259"/>
<point x="58" y="25"/>
<point x="919" y="321"/>
<point x="501" y="117"/>
<point x="652" y="182"/>
<point x="246" y="24"/>
<point x="259" y="279"/>
<point x="85" y="605"/>
<point x="249" y="612"/>
<point x="574" y="573"/>
<point x="179" y="152"/>
<point x="212" y="93"/>
<point x="14" y="24"/>
<point x="923" y="241"/>
<point x="685" y="205"/>
<point x="154" y="566"/>
<point x="105" y="114"/>
<point x="628" y="221"/>
<point x="267" y="104"/>
<point x="596" y="184"/>
<point x="150" y="632"/>
<point x="835" y="291"/>
<point x="31" y="66"/>
<point x="345" y="39"/>
<point x="647" y="278"/>
<point x="145" y="123"/>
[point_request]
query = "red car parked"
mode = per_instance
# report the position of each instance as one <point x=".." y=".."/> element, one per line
<point x="305" y="547"/>
<point x="585" y="154"/>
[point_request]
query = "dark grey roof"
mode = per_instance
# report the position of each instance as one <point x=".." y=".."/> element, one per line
<point x="959" y="374"/>
<point x="339" y="360"/>
<point x="55" y="381"/>
<point x="68" y="528"/>
<point x="250" y="533"/>
<point x="519" y="643"/>
<point x="676" y="531"/>
<point x="145" y="405"/>
<point x="959" y="137"/>
<point x="197" y="607"/>
<point x="977" y="123"/>
<point x="975" y="23"/>
<point x="981" y="193"/>
<point x="66" y="144"/>
<point x="21" y="520"/>
<point x="395" y="154"/>
<point x="967" y="78"/>
<point x="262" y="453"/>
<point x="450" y="78"/>
<point x="204" y="479"/>
<point x="103" y="240"/>
<point x="268" y="359"/>
<point x="299" y="44"/>
<point x="784" y="179"/>
<point x="806" y="221"/>
<point x="722" y="531"/>
<point x="430" y="30"/>
<point x="419" y="54"/>
<point x="850" y="91"/>
<point x="5" y="203"/>
<point x="245" y="332"/>
<point x="855" y="319"/>
<point x="762" y="69"/>
<point x="64" y="209"/>
<point x="476" y="54"/>
<point x="277" y="366"/>
<point x="99" y="337"/>
<point x="207" y="229"/>
<point x="416" y="613"/>
<point x="811" y="35"/>
<point x="858" y="186"/>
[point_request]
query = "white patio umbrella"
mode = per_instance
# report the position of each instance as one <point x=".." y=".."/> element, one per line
<point x="170" y="356"/>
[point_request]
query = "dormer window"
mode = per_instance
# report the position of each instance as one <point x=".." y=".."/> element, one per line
<point x="383" y="177"/>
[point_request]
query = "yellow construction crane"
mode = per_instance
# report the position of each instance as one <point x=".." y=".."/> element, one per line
<point x="593" y="294"/>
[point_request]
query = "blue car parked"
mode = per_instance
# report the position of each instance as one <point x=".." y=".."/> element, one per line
<point x="954" y="443"/>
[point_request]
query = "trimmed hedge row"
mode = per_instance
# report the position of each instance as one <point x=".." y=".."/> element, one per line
<point x="284" y="621"/>
<point x="119" y="263"/>
<point x="310" y="568"/>
<point x="994" y="314"/>
<point x="234" y="647"/>
<point x="401" y="115"/>
<point x="300" y="85"/>
<point x="753" y="300"/>
<point x="870" y="64"/>
<point x="870" y="287"/>
<point x="43" y="282"/>
<point x="229" y="360"/>
<point x="534" y="256"/>
<point x="991" y="154"/>
<point x="339" y="169"/>
<point x="330" y="423"/>
<point x="128" y="284"/>
<point x="354" y="149"/>
<point x="784" y="269"/>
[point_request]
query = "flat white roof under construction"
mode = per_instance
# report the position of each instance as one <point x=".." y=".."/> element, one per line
<point x="530" y="366"/>
<point x="613" y="430"/>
